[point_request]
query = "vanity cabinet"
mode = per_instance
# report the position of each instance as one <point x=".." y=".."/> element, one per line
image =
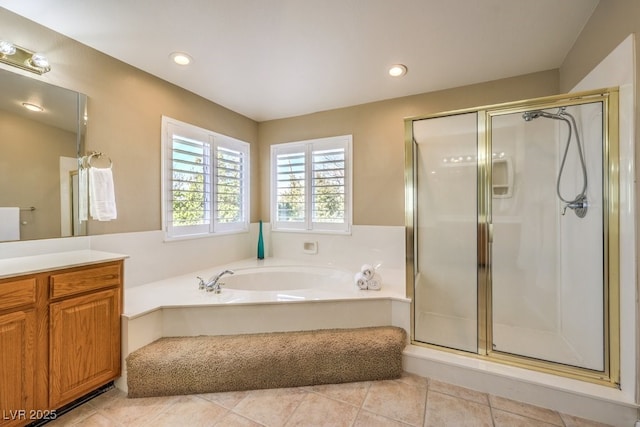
<point x="59" y="338"/>
<point x="17" y="348"/>
<point x="84" y="331"/>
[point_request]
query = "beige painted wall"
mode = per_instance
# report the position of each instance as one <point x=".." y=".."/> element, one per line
<point x="611" y="23"/>
<point x="378" y="138"/>
<point x="30" y="172"/>
<point x="125" y="107"/>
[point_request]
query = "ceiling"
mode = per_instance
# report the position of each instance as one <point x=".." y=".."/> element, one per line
<point x="269" y="59"/>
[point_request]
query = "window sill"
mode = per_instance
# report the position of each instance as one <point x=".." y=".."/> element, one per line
<point x="304" y="231"/>
<point x="170" y="239"/>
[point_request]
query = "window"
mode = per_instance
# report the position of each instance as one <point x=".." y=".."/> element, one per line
<point x="205" y="181"/>
<point x="311" y="185"/>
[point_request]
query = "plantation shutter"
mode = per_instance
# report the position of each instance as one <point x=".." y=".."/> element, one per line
<point x="231" y="189"/>
<point x="328" y="185"/>
<point x="290" y="187"/>
<point x="311" y="185"/>
<point x="189" y="186"/>
<point x="205" y="181"/>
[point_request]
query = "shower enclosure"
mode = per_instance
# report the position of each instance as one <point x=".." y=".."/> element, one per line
<point x="512" y="230"/>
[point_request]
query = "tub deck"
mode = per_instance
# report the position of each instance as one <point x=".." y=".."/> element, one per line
<point x="182" y="291"/>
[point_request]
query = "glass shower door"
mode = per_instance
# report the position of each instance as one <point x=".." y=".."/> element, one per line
<point x="548" y="256"/>
<point x="512" y="215"/>
<point x="445" y="212"/>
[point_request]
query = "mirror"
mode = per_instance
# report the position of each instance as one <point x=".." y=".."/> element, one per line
<point x="39" y="153"/>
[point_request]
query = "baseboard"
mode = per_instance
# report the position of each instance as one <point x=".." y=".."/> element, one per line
<point x="569" y="396"/>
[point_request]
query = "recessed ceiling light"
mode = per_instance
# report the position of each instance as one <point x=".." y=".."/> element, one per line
<point x="397" y="70"/>
<point x="181" y="58"/>
<point x="32" y="107"/>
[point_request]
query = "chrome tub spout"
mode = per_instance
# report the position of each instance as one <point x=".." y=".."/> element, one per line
<point x="213" y="285"/>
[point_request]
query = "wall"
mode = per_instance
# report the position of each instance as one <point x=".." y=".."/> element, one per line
<point x="611" y="22"/>
<point x="378" y="138"/>
<point x="125" y="107"/>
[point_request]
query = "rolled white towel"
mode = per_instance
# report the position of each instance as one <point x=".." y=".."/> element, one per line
<point x="367" y="271"/>
<point x="360" y="281"/>
<point x="375" y="283"/>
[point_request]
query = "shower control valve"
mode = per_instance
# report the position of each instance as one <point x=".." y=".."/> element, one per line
<point x="579" y="206"/>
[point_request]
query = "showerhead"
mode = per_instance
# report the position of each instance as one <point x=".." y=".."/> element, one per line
<point x="530" y="115"/>
<point x="534" y="114"/>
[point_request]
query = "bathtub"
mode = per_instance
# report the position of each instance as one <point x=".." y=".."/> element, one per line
<point x="287" y="278"/>
<point x="259" y="282"/>
<point x="270" y="295"/>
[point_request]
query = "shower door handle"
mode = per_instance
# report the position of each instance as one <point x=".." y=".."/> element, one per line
<point x="490" y="233"/>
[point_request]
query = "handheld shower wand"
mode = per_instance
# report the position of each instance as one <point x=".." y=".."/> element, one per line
<point x="579" y="203"/>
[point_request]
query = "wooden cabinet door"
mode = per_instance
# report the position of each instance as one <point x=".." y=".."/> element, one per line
<point x="84" y="344"/>
<point x="17" y="367"/>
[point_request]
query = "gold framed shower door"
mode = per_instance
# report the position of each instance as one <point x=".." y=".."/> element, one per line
<point x="610" y="374"/>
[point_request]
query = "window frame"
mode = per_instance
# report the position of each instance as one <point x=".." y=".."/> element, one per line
<point x="212" y="141"/>
<point x="308" y="147"/>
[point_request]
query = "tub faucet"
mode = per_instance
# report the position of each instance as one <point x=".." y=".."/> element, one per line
<point x="212" y="285"/>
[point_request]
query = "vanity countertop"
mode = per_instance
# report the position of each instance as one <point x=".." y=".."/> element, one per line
<point x="10" y="267"/>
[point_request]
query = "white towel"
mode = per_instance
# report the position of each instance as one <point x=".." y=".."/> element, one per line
<point x="9" y="224"/>
<point x="367" y="271"/>
<point x="102" y="200"/>
<point x="360" y="280"/>
<point x="375" y="283"/>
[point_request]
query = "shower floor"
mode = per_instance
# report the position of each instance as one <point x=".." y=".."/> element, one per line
<point x="460" y="333"/>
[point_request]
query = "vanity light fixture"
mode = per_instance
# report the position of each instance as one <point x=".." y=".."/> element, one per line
<point x="397" y="70"/>
<point x="181" y="58"/>
<point x="32" y="107"/>
<point x="23" y="58"/>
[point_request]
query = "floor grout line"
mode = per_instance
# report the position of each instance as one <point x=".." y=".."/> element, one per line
<point x="421" y="386"/>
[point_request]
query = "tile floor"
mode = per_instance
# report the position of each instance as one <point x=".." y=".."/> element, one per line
<point x="409" y="401"/>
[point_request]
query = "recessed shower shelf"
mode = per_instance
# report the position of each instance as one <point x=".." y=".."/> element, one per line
<point x="502" y="177"/>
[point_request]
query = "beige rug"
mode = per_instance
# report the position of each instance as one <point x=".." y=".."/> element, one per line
<point x="207" y="364"/>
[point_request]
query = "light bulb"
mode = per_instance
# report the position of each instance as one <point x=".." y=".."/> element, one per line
<point x="7" y="48"/>
<point x="397" y="70"/>
<point x="181" y="58"/>
<point x="39" y="60"/>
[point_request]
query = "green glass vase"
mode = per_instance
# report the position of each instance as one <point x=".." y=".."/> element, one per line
<point x="260" y="243"/>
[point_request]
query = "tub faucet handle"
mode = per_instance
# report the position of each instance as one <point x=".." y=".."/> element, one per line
<point x="215" y="288"/>
<point x="201" y="284"/>
<point x="213" y="285"/>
